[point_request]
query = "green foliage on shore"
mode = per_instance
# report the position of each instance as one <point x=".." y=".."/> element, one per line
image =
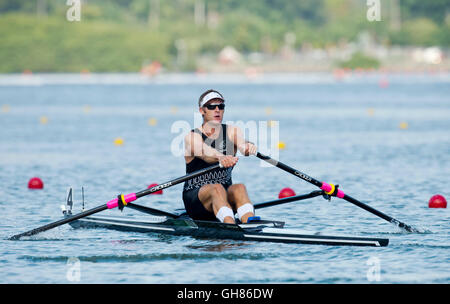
<point x="124" y="35"/>
<point x="54" y="45"/>
<point x="359" y="60"/>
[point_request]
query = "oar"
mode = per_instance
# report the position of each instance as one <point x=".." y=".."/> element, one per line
<point x="151" y="211"/>
<point x="332" y="190"/>
<point x="124" y="200"/>
<point x="288" y="199"/>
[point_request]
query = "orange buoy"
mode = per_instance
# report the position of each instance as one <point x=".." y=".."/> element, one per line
<point x="437" y="201"/>
<point x="157" y="192"/>
<point x="339" y="74"/>
<point x="35" y="183"/>
<point x="286" y="192"/>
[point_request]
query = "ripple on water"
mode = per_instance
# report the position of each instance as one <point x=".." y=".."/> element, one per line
<point x="152" y="257"/>
<point x="394" y="171"/>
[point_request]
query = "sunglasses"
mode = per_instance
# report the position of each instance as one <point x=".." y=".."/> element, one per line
<point x="221" y="106"/>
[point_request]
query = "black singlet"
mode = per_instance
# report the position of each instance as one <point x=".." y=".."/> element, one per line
<point x="192" y="204"/>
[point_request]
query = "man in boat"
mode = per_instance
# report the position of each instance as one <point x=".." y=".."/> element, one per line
<point x="213" y="195"/>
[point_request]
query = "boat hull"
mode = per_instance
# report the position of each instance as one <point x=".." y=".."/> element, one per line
<point x="263" y="231"/>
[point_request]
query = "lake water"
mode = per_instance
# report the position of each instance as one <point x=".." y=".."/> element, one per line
<point x="384" y="138"/>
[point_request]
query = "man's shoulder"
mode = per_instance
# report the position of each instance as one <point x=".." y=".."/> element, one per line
<point x="194" y="133"/>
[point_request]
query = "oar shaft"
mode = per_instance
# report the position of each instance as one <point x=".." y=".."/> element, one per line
<point x="134" y="196"/>
<point x="378" y="213"/>
<point x="288" y="199"/>
<point x="327" y="187"/>
<point x="151" y="211"/>
<point x="176" y="181"/>
<point x="350" y="199"/>
<point x="60" y="222"/>
<point x="115" y="202"/>
<point x="289" y="169"/>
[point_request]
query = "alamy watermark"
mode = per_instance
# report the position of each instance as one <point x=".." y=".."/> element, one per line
<point x="74" y="11"/>
<point x="374" y="271"/>
<point x="73" y="273"/>
<point x="374" y="10"/>
<point x="265" y="135"/>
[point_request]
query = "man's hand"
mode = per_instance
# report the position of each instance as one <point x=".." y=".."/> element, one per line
<point x="248" y="149"/>
<point x="228" y="161"/>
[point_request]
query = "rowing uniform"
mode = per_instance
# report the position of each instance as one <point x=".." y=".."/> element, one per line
<point x="192" y="203"/>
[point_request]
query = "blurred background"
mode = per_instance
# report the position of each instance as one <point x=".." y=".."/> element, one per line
<point x="252" y="36"/>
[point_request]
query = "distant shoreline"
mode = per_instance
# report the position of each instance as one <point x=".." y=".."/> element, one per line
<point x="338" y="76"/>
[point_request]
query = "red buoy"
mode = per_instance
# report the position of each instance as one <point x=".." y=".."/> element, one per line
<point x="35" y="183"/>
<point x="384" y="83"/>
<point x="286" y="192"/>
<point x="437" y="201"/>
<point x="157" y="192"/>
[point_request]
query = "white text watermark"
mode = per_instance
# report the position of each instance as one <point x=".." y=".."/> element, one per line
<point x="264" y="134"/>
<point x="74" y="11"/>
<point x="73" y="273"/>
<point x="374" y="271"/>
<point x="374" y="10"/>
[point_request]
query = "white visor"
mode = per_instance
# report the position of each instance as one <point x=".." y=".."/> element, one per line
<point x="210" y="96"/>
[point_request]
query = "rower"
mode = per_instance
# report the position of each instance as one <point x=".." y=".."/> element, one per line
<point x="213" y="195"/>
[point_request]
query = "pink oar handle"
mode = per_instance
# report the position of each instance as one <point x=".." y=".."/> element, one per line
<point x="114" y="203"/>
<point x="327" y="188"/>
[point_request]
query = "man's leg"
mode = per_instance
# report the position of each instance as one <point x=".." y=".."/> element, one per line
<point x="214" y="199"/>
<point x="238" y="196"/>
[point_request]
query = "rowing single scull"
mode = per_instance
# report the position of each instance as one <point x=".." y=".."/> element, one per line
<point x="179" y="224"/>
<point x="258" y="230"/>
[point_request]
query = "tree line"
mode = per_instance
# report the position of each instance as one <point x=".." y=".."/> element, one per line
<point x="123" y="35"/>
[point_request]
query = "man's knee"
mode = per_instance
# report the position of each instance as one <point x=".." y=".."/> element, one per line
<point x="212" y="190"/>
<point x="218" y="189"/>
<point x="238" y="188"/>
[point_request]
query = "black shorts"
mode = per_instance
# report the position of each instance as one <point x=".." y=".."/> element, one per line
<point x="194" y="206"/>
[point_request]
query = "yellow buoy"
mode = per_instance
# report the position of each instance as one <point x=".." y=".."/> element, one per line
<point x="43" y="120"/>
<point x="5" y="108"/>
<point x="173" y="110"/>
<point x="371" y="111"/>
<point x="403" y="125"/>
<point x="152" y="121"/>
<point x="87" y="109"/>
<point x="281" y="145"/>
<point x="268" y="110"/>
<point x="272" y="123"/>
<point x="118" y="141"/>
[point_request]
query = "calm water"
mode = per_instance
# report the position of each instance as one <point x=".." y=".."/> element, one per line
<point x="341" y="131"/>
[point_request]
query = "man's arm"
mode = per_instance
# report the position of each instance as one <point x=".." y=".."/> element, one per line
<point x="244" y="146"/>
<point x="195" y="147"/>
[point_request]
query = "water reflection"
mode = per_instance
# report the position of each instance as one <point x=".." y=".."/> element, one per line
<point x="219" y="247"/>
